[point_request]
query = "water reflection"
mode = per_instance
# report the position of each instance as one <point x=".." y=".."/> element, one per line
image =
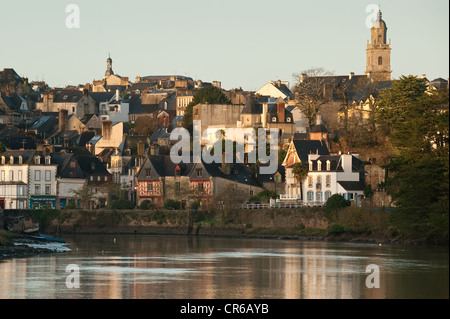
<point x="157" y="267"/>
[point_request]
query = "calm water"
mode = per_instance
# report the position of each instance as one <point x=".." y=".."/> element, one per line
<point x="159" y="267"/>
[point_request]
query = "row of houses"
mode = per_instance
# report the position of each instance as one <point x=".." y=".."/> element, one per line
<point x="32" y="179"/>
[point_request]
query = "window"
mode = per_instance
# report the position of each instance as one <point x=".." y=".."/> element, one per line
<point x="37" y="175"/>
<point x="380" y="60"/>
<point x="277" y="178"/>
<point x="147" y="172"/>
<point x="310" y="181"/>
<point x="3" y="176"/>
<point x="37" y="160"/>
<point x="37" y="189"/>
<point x="3" y="160"/>
<point x="319" y="182"/>
<point x="327" y="195"/>
<point x="328" y="165"/>
<point x="47" y="176"/>
<point x="11" y="175"/>
<point x="47" y="160"/>
<point x="177" y="171"/>
<point x="200" y="187"/>
<point x="274" y="119"/>
<point x="328" y="181"/>
<point x="20" y="160"/>
<point x="106" y="178"/>
<point x="309" y="196"/>
<point x="98" y="178"/>
<point x="47" y="189"/>
<point x="319" y="165"/>
<point x="177" y="187"/>
<point x="199" y="172"/>
<point x="318" y="196"/>
<point x="310" y="165"/>
<point x="11" y="160"/>
<point x="20" y="175"/>
<point x="251" y="192"/>
<point x="149" y="187"/>
<point x="288" y="119"/>
<point x="92" y="178"/>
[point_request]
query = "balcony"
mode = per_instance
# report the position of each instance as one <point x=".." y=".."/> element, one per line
<point x="286" y="197"/>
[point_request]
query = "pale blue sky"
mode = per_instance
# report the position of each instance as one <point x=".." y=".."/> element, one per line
<point x="242" y="43"/>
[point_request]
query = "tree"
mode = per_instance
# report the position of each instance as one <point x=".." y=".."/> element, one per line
<point x="2" y="147"/>
<point x="417" y="121"/>
<point x="300" y="171"/>
<point x="209" y="94"/>
<point x="145" y="125"/>
<point x="308" y="92"/>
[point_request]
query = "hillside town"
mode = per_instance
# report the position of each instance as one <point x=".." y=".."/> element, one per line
<point x="107" y="143"/>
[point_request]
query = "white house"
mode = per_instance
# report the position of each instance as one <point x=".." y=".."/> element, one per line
<point x="275" y="89"/>
<point x="42" y="182"/>
<point x="13" y="180"/>
<point x="332" y="174"/>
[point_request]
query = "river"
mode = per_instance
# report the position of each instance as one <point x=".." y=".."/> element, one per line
<point x="171" y="267"/>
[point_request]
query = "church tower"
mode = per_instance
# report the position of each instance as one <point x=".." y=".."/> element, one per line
<point x="109" y="70"/>
<point x="378" y="51"/>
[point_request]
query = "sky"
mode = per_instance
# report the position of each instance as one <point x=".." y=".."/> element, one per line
<point x="241" y="43"/>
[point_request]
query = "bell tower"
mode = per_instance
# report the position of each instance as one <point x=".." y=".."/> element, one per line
<point x="378" y="51"/>
<point x="109" y="70"/>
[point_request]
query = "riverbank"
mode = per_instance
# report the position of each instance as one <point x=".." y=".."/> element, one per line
<point x="309" y="224"/>
<point x="14" y="246"/>
<point x="350" y="224"/>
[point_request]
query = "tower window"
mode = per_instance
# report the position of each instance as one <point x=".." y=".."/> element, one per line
<point x="380" y="60"/>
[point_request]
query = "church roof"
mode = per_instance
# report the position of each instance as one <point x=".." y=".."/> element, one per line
<point x="250" y="107"/>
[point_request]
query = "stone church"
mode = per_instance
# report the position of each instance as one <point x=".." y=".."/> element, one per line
<point x="379" y="51"/>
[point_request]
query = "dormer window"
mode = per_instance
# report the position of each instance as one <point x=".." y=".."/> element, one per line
<point x="310" y="165"/>
<point x="92" y="166"/>
<point x="288" y="120"/>
<point x="199" y="172"/>
<point x="11" y="160"/>
<point x="328" y="165"/>
<point x="319" y="165"/>
<point x="20" y="160"/>
<point x="47" y="160"/>
<point x="37" y="160"/>
<point x="274" y="119"/>
<point x="3" y="160"/>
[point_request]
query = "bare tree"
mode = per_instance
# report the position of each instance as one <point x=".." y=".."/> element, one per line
<point x="309" y="92"/>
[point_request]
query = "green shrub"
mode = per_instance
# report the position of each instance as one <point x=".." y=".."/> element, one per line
<point x="147" y="204"/>
<point x="121" y="204"/>
<point x="333" y="204"/>
<point x="159" y="217"/>
<point x="172" y="204"/>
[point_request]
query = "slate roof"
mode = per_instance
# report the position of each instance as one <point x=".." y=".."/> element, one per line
<point x="306" y="147"/>
<point x="27" y="156"/>
<point x="67" y="96"/>
<point x="352" y="186"/>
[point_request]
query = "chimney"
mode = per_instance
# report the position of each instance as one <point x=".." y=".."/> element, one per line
<point x="226" y="167"/>
<point x="351" y="75"/>
<point x="346" y="163"/>
<point x="154" y="149"/>
<point x="280" y="112"/>
<point x="264" y="115"/>
<point x="279" y="83"/>
<point x="63" y="120"/>
<point x="303" y="77"/>
<point x="140" y="148"/>
<point x="106" y="129"/>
